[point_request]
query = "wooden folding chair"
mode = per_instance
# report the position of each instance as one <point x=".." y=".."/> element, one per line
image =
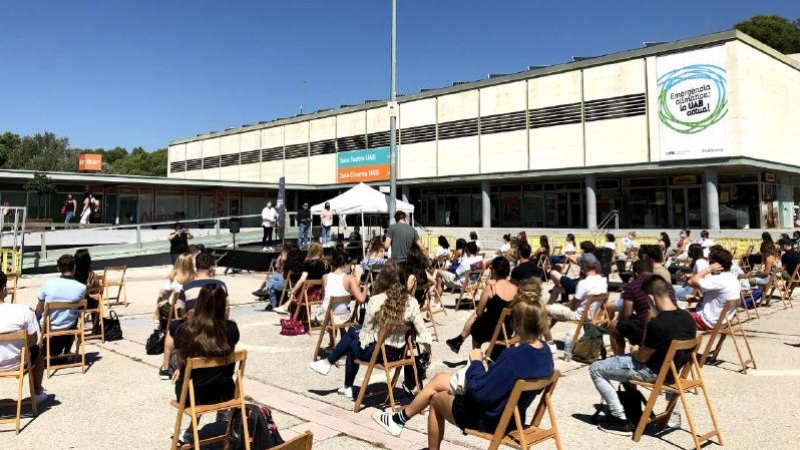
<point x="288" y="285"/>
<point x="469" y="288"/>
<point x="788" y="287"/>
<point x="771" y="288"/>
<point x="12" y="285"/>
<point x="380" y="361"/>
<point x="727" y="328"/>
<point x="747" y="293"/>
<point x="524" y="436"/>
<point x="19" y="375"/>
<point x="330" y="327"/>
<point x="501" y="335"/>
<point x="114" y="277"/>
<point x="745" y="261"/>
<point x="595" y="313"/>
<point x="78" y="332"/>
<point x="680" y="385"/>
<point x="431" y="312"/>
<point x="544" y="266"/>
<point x="96" y="293"/>
<point x="304" y="303"/>
<point x="194" y="410"/>
<point x="302" y="442"/>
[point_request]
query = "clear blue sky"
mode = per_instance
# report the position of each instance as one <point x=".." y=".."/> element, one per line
<point x="144" y="72"/>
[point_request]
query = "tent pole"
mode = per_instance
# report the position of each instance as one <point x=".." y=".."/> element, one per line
<point x="363" y="251"/>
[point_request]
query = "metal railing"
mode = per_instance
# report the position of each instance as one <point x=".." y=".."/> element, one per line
<point x="602" y="227"/>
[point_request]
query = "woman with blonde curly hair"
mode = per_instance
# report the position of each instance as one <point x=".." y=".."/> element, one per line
<point x="182" y="273"/>
<point x="390" y="307"/>
<point x="487" y="384"/>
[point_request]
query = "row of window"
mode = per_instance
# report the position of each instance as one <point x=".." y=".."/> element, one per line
<point x="594" y="110"/>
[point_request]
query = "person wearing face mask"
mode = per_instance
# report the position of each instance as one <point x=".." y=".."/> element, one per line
<point x="268" y="218"/>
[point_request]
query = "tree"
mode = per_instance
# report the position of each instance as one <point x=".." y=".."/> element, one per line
<point x="140" y="162"/>
<point x="41" y="185"/>
<point x="9" y="143"/>
<point x="775" y="31"/>
<point x="43" y="152"/>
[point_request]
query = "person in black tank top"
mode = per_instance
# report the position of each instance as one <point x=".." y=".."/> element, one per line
<point x="498" y="294"/>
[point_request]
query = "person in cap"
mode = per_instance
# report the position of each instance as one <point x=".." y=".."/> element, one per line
<point x="592" y="283"/>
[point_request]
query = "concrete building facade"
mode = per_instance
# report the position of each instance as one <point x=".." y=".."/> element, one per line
<point x="698" y="133"/>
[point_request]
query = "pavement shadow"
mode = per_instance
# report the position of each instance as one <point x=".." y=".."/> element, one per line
<point x="8" y="409"/>
<point x="454" y="364"/>
<point x="323" y="392"/>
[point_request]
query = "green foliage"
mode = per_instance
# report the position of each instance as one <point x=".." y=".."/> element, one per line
<point x="46" y="152"/>
<point x="41" y="185"/>
<point x="777" y="32"/>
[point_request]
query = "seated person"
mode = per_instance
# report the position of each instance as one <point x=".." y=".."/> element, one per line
<point x="634" y="308"/>
<point x="339" y="283"/>
<point x="718" y="285"/>
<point x="504" y="249"/>
<point x="473" y="237"/>
<point x="543" y="250"/>
<point x="654" y="254"/>
<point x="497" y="295"/>
<point x="569" y="249"/>
<point x="629" y="247"/>
<point x="698" y="263"/>
<point x="592" y="284"/>
<point x="62" y="289"/>
<point x="769" y="258"/>
<point x="208" y="334"/>
<point x="706" y="242"/>
<point x="611" y="244"/>
<point x="680" y="252"/>
<point x="187" y="301"/>
<point x="182" y="272"/>
<point x="586" y="247"/>
<point x="790" y="259"/>
<point x="526" y="268"/>
<point x="390" y="306"/>
<point x="15" y="317"/>
<point x="454" y="277"/>
<point x="275" y="282"/>
<point x="375" y="258"/>
<point x="314" y="267"/>
<point x="644" y="364"/>
<point x="488" y="384"/>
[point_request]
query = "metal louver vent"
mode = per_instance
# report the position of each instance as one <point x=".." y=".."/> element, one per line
<point x="272" y="154"/>
<point x="229" y="160"/>
<point x="459" y="83"/>
<point x="177" y="166"/>
<point x="555" y="115"/>
<point x="251" y="157"/>
<point x="325" y="147"/>
<point x="538" y="66"/>
<point x="211" y="162"/>
<point x="414" y="135"/>
<point x="349" y="143"/>
<point x="380" y="139"/>
<point x="458" y="128"/>
<point x="194" y="164"/>
<point x="501" y="123"/>
<point x="615" y="107"/>
<point x="495" y="75"/>
<point x="296" y="151"/>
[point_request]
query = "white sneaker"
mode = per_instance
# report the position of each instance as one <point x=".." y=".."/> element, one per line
<point x="40" y="397"/>
<point x="280" y="310"/>
<point x="264" y="249"/>
<point x="187" y="435"/>
<point x="345" y="392"/>
<point x="674" y="421"/>
<point x="385" y="420"/>
<point x="322" y="366"/>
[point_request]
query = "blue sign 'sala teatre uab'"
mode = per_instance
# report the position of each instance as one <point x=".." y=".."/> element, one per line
<point x="369" y="157"/>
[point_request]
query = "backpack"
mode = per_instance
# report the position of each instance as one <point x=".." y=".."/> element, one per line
<point x="589" y="347"/>
<point x="262" y="429"/>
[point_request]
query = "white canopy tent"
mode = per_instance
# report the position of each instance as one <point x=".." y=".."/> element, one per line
<point x="362" y="199"/>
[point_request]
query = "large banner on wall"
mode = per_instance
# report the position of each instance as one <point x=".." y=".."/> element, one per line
<point x="363" y="165"/>
<point x="693" y="104"/>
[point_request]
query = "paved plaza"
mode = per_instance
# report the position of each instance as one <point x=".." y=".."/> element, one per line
<point x="121" y="403"/>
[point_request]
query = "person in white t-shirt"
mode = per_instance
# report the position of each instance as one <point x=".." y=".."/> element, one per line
<point x="269" y="216"/>
<point x="15" y="317"/>
<point x="629" y="246"/>
<point x="718" y="285"/>
<point x="592" y="284"/>
<point x="698" y="264"/>
<point x="454" y="276"/>
<point x="506" y="245"/>
<point x="706" y="242"/>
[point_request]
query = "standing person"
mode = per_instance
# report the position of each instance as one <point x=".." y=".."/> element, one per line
<point x="326" y="217"/>
<point x="304" y="224"/>
<point x="178" y="241"/>
<point x="15" y="317"/>
<point x="269" y="215"/>
<point x="401" y="237"/>
<point x="644" y="364"/>
<point x="70" y="206"/>
<point x="95" y="216"/>
<point x="86" y="212"/>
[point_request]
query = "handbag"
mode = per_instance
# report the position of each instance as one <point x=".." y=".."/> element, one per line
<point x="458" y="381"/>
<point x="112" y="327"/>
<point x="63" y="210"/>
<point x="292" y="327"/>
<point x="155" y="343"/>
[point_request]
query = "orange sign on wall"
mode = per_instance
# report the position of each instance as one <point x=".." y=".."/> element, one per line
<point x="90" y="162"/>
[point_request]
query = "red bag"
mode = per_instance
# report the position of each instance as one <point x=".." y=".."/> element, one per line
<point x="292" y="327"/>
<point x="64" y="210"/>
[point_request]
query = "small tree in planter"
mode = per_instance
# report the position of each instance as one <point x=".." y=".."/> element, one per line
<point x="41" y="185"/>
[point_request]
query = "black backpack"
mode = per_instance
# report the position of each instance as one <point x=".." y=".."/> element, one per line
<point x="263" y="431"/>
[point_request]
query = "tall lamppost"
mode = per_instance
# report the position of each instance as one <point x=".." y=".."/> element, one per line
<point x="393" y="118"/>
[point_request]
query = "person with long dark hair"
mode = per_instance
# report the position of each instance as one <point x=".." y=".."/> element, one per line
<point x="207" y="334"/>
<point x="86" y="276"/>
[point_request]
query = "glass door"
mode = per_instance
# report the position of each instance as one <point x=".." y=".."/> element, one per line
<point x="686" y="209"/>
